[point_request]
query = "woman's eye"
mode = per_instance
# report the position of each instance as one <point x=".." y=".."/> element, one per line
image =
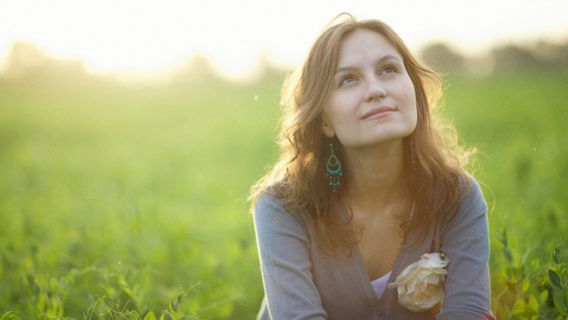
<point x="388" y="69"/>
<point x="346" y="80"/>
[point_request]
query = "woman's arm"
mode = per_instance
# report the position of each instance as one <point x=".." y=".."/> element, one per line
<point x="283" y="247"/>
<point x="466" y="243"/>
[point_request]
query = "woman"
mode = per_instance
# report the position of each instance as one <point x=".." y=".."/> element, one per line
<point x="369" y="213"/>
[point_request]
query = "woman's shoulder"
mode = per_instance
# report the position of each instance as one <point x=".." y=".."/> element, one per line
<point x="472" y="196"/>
<point x="270" y="212"/>
<point x="471" y="214"/>
<point x="267" y="203"/>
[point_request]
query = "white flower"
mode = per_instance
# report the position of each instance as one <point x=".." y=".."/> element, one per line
<point x="420" y="286"/>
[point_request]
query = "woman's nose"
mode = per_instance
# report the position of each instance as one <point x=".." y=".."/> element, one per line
<point x="375" y="90"/>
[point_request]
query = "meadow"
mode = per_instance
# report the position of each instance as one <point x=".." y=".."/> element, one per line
<point x="128" y="202"/>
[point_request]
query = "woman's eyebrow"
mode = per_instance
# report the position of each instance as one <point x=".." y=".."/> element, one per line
<point x="381" y="60"/>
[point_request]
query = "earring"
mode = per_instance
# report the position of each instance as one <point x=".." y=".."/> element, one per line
<point x="333" y="170"/>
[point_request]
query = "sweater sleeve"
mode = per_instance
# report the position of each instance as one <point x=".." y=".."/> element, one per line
<point x="283" y="247"/>
<point x="466" y="244"/>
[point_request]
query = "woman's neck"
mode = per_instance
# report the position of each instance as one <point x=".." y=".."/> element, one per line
<point x="375" y="176"/>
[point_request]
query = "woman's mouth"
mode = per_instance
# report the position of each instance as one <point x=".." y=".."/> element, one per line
<point x="377" y="112"/>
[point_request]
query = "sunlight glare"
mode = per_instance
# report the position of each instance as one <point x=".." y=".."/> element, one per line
<point x="149" y="36"/>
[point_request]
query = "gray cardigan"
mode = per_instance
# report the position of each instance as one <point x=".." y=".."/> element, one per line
<point x="302" y="282"/>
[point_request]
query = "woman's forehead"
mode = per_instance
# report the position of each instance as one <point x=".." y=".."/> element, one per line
<point x="364" y="45"/>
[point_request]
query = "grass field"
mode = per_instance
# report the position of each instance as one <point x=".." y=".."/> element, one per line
<point x="125" y="202"/>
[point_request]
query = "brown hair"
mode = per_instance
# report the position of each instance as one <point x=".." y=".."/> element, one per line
<point x="298" y="179"/>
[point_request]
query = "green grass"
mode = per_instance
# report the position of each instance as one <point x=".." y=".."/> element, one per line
<point x="518" y="124"/>
<point x="116" y="201"/>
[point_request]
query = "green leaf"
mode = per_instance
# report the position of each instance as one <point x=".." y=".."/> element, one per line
<point x="33" y="284"/>
<point x="554" y="278"/>
<point x="525" y="285"/>
<point x="504" y="240"/>
<point x="149" y="316"/>
<point x="566" y="297"/>
<point x="556" y="254"/>
<point x="132" y="314"/>
<point x="518" y="307"/>
<point x="9" y="315"/>
<point x="533" y="303"/>
<point x="559" y="303"/>
<point x="508" y="254"/>
<point x="543" y="296"/>
<point x="174" y="305"/>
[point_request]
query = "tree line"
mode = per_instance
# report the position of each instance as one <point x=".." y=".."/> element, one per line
<point x="29" y="63"/>
<point x="537" y="56"/>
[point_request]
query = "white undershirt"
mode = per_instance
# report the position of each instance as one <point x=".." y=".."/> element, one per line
<point x="380" y="284"/>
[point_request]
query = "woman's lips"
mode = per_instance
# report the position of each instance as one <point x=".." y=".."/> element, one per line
<point x="376" y="111"/>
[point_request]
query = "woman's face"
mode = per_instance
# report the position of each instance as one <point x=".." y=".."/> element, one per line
<point x="373" y="99"/>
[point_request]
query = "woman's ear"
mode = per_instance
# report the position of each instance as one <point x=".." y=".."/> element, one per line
<point x="327" y="130"/>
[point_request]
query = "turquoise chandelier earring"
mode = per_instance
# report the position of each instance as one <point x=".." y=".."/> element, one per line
<point x="333" y="170"/>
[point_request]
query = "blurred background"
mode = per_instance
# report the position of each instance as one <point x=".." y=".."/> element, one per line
<point x="131" y="132"/>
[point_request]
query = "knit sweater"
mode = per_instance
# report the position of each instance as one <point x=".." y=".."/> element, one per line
<point x="302" y="282"/>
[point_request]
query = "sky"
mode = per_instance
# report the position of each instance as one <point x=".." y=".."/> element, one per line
<point x="149" y="36"/>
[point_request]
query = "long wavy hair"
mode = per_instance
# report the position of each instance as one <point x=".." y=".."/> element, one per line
<point x="434" y="178"/>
